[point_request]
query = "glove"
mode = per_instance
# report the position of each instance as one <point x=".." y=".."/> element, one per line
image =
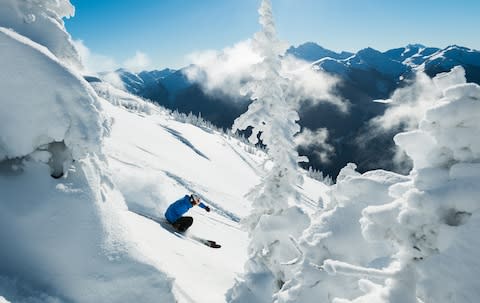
<point x="207" y="208"/>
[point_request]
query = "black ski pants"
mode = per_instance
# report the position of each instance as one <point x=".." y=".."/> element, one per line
<point x="183" y="223"/>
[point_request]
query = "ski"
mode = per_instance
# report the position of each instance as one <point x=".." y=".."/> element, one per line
<point x="209" y="243"/>
<point x="167" y="226"/>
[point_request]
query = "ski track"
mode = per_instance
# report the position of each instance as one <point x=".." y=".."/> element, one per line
<point x="188" y="186"/>
<point x="308" y="202"/>
<point x="221" y="222"/>
<point x="125" y="162"/>
<point x="253" y="167"/>
<point x="184" y="140"/>
<point x="146" y="151"/>
<point x="180" y="293"/>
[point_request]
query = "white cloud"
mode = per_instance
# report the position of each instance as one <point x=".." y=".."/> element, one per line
<point x="114" y="79"/>
<point x="316" y="140"/>
<point x="139" y="62"/>
<point x="92" y="62"/>
<point x="310" y="84"/>
<point x="408" y="105"/>
<point x="226" y="70"/>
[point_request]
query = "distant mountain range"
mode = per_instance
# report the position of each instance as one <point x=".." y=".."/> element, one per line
<point x="366" y="76"/>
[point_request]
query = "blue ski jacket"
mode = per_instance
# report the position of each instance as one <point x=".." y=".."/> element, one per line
<point x="179" y="207"/>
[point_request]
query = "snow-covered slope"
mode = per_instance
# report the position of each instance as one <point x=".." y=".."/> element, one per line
<point x="158" y="161"/>
<point x="160" y="86"/>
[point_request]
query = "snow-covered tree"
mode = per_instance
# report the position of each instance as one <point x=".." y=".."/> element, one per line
<point x="273" y="223"/>
<point x="435" y="217"/>
<point x="385" y="238"/>
<point x="335" y="233"/>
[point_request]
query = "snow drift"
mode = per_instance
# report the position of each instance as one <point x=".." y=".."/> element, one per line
<point x="44" y="104"/>
<point x="41" y="21"/>
<point x="63" y="238"/>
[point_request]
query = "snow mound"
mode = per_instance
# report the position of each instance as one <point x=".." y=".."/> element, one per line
<point x="443" y="207"/>
<point x="447" y="130"/>
<point x="44" y="102"/>
<point x="70" y="240"/>
<point x="41" y="21"/>
<point x="383" y="237"/>
<point x="63" y="239"/>
<point x="335" y="233"/>
<point x="432" y="221"/>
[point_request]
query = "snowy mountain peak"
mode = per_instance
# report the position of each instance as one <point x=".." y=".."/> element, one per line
<point x="369" y="58"/>
<point x="365" y="55"/>
<point x="368" y="53"/>
<point x="311" y="52"/>
<point x="458" y="47"/>
<point x="156" y="74"/>
<point x="412" y="54"/>
<point x="445" y="59"/>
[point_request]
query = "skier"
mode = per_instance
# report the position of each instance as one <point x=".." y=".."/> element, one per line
<point x="175" y="211"/>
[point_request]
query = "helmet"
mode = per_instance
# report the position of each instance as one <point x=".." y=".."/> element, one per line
<point x="195" y="198"/>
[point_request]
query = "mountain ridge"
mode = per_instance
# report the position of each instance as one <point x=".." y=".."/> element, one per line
<point x="366" y="75"/>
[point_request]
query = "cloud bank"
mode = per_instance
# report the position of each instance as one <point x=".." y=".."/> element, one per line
<point x="223" y="71"/>
<point x="408" y="105"/>
<point x="94" y="62"/>
<point x="316" y="140"/>
<point x="227" y="71"/>
<point x="139" y="62"/>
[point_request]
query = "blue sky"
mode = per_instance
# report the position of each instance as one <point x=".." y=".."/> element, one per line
<point x="167" y="30"/>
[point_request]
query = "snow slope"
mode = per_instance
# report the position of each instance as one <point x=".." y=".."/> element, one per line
<point x="158" y="161"/>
